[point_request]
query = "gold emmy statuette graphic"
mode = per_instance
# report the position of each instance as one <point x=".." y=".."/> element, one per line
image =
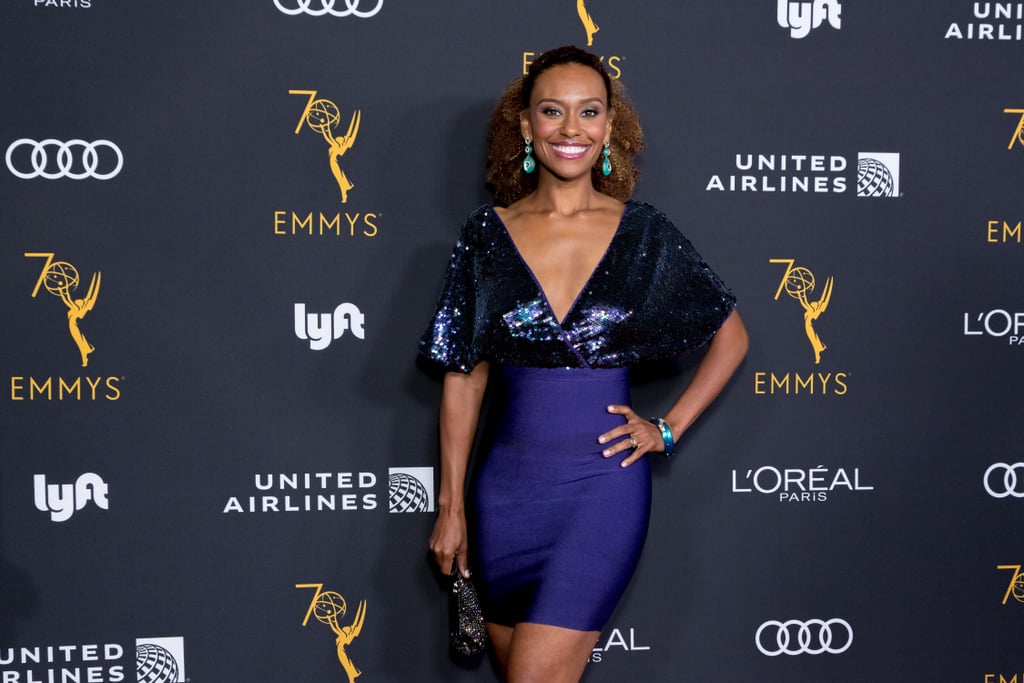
<point x="798" y="282"/>
<point x="1018" y="135"/>
<point x="588" y="23"/>
<point x="322" y="116"/>
<point x="328" y="607"/>
<point x="60" y="278"/>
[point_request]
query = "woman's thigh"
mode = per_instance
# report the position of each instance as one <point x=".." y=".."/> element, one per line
<point x="538" y="653"/>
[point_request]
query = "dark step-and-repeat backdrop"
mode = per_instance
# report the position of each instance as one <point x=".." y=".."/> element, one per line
<point x="224" y="226"/>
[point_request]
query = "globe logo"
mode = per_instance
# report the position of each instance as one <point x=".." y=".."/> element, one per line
<point x="61" y="277"/>
<point x="155" y="664"/>
<point x="874" y="179"/>
<point x="799" y="283"/>
<point x="406" y="493"/>
<point x="329" y="607"/>
<point x="323" y="115"/>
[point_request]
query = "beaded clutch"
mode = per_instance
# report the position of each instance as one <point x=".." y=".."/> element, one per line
<point x="466" y="620"/>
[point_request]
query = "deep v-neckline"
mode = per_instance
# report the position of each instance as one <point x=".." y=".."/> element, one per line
<point x="586" y="283"/>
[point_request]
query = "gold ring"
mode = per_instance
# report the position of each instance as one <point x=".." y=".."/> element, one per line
<point x="632" y="443"/>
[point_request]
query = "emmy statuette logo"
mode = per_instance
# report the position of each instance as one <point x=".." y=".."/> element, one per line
<point x="60" y="279"/>
<point x="328" y="607"/>
<point x="798" y="282"/>
<point x="612" y="62"/>
<point x="322" y="116"/>
<point x="588" y="23"/>
<point x="1018" y="134"/>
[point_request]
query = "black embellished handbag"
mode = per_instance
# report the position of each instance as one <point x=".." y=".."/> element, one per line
<point x="466" y="620"/>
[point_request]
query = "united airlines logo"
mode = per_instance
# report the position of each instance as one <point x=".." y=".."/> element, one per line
<point x="411" y="489"/>
<point x="157" y="660"/>
<point x="588" y="22"/>
<point x="64" y="500"/>
<point x="801" y="17"/>
<point x="53" y="159"/>
<point x="1018" y="134"/>
<point x="320" y="329"/>
<point x="878" y="174"/>
<point x="160" y="660"/>
<point x="334" y="8"/>
<point x="998" y="21"/>
<point x="330" y="608"/>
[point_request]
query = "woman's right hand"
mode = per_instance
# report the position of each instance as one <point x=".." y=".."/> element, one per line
<point x="448" y="540"/>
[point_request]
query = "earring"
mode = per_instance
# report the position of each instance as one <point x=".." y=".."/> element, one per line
<point x="606" y="164"/>
<point x="528" y="163"/>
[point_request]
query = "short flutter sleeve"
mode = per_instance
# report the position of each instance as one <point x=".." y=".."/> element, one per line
<point x="686" y="300"/>
<point x="453" y="339"/>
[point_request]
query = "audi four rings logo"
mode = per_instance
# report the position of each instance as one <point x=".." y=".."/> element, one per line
<point x="91" y="161"/>
<point x="327" y="7"/>
<point x="1009" y="485"/>
<point x="812" y="637"/>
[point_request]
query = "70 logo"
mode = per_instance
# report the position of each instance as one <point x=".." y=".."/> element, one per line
<point x="1016" y="587"/>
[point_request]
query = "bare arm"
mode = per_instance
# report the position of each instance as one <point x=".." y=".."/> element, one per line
<point x="725" y="351"/>
<point x="460" y="414"/>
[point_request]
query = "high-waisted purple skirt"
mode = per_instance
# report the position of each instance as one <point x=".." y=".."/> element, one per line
<point x="559" y="527"/>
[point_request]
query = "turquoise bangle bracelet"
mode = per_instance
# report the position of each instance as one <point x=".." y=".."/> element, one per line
<point x="666" y="435"/>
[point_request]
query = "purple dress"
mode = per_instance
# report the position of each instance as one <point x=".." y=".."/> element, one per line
<point x="559" y="528"/>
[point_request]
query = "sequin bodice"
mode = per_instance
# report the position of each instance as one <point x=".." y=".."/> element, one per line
<point x="651" y="296"/>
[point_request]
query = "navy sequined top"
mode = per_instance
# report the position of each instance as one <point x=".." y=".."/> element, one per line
<point x="651" y="296"/>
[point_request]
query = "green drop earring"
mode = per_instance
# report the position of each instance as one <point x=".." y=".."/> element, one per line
<point x="606" y="164"/>
<point x="528" y="163"/>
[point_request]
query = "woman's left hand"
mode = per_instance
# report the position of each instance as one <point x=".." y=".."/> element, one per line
<point x="637" y="435"/>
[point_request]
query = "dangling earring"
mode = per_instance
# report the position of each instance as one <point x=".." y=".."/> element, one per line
<point x="528" y="163"/>
<point x="606" y="164"/>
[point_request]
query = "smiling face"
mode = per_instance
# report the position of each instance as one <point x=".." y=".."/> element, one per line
<point x="568" y="120"/>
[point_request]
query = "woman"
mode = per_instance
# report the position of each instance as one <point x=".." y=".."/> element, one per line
<point x="553" y="295"/>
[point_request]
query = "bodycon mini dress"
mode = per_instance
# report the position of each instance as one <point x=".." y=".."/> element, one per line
<point x="560" y="528"/>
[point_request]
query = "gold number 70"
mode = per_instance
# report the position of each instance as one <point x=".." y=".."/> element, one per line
<point x="312" y="603"/>
<point x="309" y="105"/>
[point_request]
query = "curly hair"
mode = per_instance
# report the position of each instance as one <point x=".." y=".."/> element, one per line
<point x="505" y="175"/>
